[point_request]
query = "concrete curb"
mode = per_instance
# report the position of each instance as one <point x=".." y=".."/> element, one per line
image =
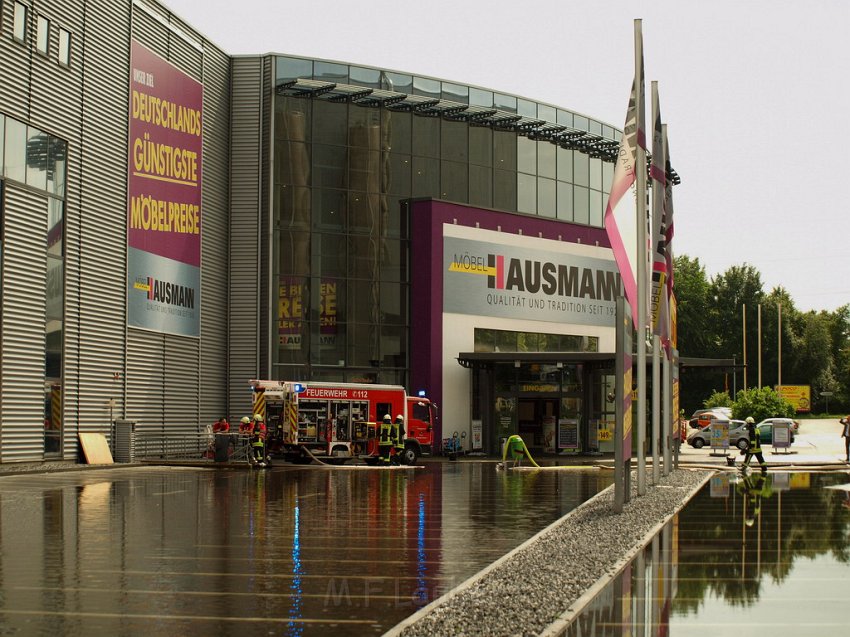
<point x="557" y="627"/>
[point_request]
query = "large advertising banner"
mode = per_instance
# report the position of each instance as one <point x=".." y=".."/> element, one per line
<point x="291" y="312"/>
<point x="164" y="196"/>
<point x="798" y="395"/>
<point x="492" y="279"/>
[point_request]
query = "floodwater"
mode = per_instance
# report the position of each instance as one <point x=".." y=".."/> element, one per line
<point x="744" y="557"/>
<point x="285" y="551"/>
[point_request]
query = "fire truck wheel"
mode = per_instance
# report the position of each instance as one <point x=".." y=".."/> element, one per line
<point x="409" y="456"/>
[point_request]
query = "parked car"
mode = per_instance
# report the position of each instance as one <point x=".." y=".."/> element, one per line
<point x="766" y="430"/>
<point x="703" y="417"/>
<point x="738" y="435"/>
<point x="794" y="424"/>
<point x="702" y="437"/>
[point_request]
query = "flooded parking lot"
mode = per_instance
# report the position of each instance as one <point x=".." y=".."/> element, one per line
<point x="747" y="556"/>
<point x="288" y="551"/>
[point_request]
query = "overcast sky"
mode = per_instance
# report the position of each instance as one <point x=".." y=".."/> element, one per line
<point x="753" y="92"/>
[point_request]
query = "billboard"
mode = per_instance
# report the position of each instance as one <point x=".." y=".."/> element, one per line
<point x="518" y="282"/>
<point x="798" y="395"/>
<point x="164" y="196"/>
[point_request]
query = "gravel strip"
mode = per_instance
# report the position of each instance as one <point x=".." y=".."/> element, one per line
<point x="528" y="589"/>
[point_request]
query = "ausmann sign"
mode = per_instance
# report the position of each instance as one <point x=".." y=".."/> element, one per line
<point x="491" y="279"/>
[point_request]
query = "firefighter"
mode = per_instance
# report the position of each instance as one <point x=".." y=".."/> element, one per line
<point x="754" y="489"/>
<point x="385" y="442"/>
<point x="398" y="437"/>
<point x="754" y="448"/>
<point x="258" y="440"/>
<point x="245" y="425"/>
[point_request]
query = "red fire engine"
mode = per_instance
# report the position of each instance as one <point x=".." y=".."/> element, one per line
<point x="340" y="421"/>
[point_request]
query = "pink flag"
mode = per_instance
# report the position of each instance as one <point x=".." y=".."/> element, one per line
<point x="621" y="211"/>
<point x="658" y="175"/>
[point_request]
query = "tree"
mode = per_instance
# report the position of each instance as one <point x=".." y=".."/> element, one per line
<point x="740" y="285"/>
<point x="694" y="336"/>
<point x="760" y="404"/>
<point x="718" y="399"/>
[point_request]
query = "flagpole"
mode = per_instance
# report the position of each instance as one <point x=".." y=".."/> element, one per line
<point x="640" y="341"/>
<point x="658" y="286"/>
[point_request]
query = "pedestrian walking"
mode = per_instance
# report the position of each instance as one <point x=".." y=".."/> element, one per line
<point x="754" y="448"/>
<point x="846" y="435"/>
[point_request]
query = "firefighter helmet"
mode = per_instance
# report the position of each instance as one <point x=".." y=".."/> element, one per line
<point x="257" y="417"/>
<point x="387" y="418"/>
<point x="400" y="418"/>
<point x="750" y="420"/>
<point x="245" y="420"/>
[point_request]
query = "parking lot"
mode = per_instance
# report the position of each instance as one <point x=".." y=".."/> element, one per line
<point x="818" y="441"/>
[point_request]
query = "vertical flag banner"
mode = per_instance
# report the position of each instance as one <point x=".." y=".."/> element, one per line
<point x="621" y="210"/>
<point x="164" y="196"/>
<point x="658" y="175"/>
<point x="668" y="217"/>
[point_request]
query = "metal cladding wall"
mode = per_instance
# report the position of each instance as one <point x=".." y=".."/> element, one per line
<point x="246" y="231"/>
<point x="24" y="270"/>
<point x="109" y="371"/>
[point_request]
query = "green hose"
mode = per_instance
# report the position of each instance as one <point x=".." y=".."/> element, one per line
<point x="517" y="447"/>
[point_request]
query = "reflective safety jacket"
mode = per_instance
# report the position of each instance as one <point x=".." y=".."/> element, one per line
<point x="384" y="437"/>
<point x="398" y="434"/>
<point x="755" y="440"/>
<point x="258" y="434"/>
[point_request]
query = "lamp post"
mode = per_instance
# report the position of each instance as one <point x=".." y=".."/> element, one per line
<point x="744" y="328"/>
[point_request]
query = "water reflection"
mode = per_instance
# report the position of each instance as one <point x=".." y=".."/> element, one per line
<point x="291" y="551"/>
<point x="748" y="554"/>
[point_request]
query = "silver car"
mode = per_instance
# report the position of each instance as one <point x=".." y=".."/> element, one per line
<point x="738" y="435"/>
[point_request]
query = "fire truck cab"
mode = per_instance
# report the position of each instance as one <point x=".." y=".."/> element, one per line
<point x="339" y="421"/>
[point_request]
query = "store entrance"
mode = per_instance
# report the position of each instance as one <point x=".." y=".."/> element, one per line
<point x="537" y="420"/>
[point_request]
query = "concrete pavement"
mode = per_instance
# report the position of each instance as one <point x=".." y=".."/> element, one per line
<point x="818" y="443"/>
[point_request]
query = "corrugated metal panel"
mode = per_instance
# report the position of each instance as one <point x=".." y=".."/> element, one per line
<point x="23" y="324"/>
<point x="265" y="219"/>
<point x="146" y="380"/>
<point x="14" y="67"/>
<point x="49" y="79"/>
<point x="92" y="116"/>
<point x="182" y="381"/>
<point x="246" y="144"/>
<point x="100" y="252"/>
<point x="150" y="32"/>
<point x="215" y="320"/>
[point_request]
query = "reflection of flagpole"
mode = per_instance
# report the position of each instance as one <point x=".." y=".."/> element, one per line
<point x="779" y="533"/>
<point x="744" y="536"/>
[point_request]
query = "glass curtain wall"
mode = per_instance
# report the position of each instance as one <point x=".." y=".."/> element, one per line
<point x="341" y="246"/>
<point x="340" y="242"/>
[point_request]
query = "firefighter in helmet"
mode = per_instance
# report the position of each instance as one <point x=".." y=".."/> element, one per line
<point x="385" y="441"/>
<point x="398" y="437"/>
<point x="245" y="425"/>
<point x="754" y="446"/>
<point x="258" y="440"/>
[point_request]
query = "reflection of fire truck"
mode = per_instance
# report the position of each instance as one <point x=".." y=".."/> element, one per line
<point x="340" y="421"/>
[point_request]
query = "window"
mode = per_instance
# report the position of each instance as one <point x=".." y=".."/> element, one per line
<point x="64" y="47"/>
<point x="42" y="35"/>
<point x="19" y="31"/>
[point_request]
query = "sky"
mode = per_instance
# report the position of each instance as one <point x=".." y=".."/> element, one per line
<point x="751" y="91"/>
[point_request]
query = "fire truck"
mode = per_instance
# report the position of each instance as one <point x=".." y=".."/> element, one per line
<point x="336" y="422"/>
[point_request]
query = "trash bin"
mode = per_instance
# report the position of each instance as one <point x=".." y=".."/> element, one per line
<point x="124" y="441"/>
<point x="222" y="447"/>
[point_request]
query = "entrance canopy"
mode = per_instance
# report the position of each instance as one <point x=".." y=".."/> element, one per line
<point x="483" y="359"/>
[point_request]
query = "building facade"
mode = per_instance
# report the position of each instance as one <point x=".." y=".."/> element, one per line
<point x="177" y="222"/>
